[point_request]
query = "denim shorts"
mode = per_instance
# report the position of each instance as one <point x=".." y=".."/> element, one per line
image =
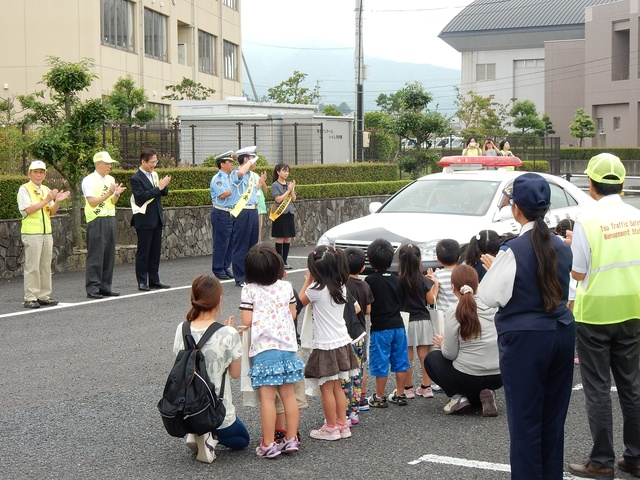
<point x="388" y="347"/>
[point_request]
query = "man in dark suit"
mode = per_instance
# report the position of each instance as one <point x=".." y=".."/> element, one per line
<point x="147" y="219"/>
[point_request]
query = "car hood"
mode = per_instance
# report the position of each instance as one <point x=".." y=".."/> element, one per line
<point x="409" y="227"/>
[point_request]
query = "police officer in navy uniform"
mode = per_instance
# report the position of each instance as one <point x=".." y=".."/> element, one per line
<point x="529" y="282"/>
<point x="245" y="185"/>
<point x="221" y="219"/>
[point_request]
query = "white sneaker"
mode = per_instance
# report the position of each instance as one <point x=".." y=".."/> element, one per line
<point x="456" y="403"/>
<point x="206" y="445"/>
<point x="191" y="443"/>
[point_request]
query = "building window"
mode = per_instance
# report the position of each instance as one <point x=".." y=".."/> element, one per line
<point x="231" y="4"/>
<point x="529" y="63"/>
<point x="155" y="35"/>
<point x="616" y="123"/>
<point x="485" y="71"/>
<point x="600" y="124"/>
<point x="620" y="51"/>
<point x="117" y="24"/>
<point x="162" y="111"/>
<point x="230" y="61"/>
<point x="206" y="53"/>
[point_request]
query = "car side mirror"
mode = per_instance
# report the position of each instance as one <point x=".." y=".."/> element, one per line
<point x="374" y="207"/>
<point x="505" y="213"/>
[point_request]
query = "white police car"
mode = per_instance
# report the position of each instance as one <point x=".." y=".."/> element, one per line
<point x="457" y="203"/>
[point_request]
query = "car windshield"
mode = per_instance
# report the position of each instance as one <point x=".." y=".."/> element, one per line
<point x="450" y="196"/>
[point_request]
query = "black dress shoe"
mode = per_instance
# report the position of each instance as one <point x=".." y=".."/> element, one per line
<point x="159" y="285"/>
<point x="222" y="276"/>
<point x="589" y="470"/>
<point x="109" y="293"/>
<point x="144" y="287"/>
<point x="94" y="295"/>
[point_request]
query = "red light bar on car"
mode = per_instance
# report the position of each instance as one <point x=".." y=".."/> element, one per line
<point x="464" y="162"/>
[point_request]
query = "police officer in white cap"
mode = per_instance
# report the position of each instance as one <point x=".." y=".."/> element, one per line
<point x="221" y="219"/>
<point x="37" y="203"/>
<point x="245" y="184"/>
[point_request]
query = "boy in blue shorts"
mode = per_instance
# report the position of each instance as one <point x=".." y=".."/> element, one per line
<point x="388" y="338"/>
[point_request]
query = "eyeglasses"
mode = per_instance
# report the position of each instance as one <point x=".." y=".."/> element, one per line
<point x="511" y="202"/>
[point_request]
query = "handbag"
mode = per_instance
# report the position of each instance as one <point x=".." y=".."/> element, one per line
<point x="250" y="397"/>
<point x="437" y="319"/>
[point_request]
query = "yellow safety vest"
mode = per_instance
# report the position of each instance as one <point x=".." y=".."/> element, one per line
<point x="100" y="187"/>
<point x="38" y="223"/>
<point x="613" y="288"/>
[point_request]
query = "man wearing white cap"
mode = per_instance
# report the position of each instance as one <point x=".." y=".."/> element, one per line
<point x="37" y="203"/>
<point x="245" y="184"/>
<point x="606" y="263"/>
<point x="101" y="193"/>
<point x="221" y="219"/>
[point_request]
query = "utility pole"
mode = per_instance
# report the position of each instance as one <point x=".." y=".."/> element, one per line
<point x="360" y="74"/>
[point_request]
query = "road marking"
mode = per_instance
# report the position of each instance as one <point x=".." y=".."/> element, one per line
<point x="61" y="305"/>
<point x="464" y="462"/>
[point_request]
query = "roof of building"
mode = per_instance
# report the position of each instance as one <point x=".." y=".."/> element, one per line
<point x="515" y="14"/>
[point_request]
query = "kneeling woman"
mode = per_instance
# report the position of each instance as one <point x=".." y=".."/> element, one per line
<point x="222" y="354"/>
<point x="466" y="364"/>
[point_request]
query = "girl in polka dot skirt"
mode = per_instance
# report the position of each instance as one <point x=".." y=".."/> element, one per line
<point x="268" y="305"/>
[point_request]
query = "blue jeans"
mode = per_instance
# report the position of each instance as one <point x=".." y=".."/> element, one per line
<point x="235" y="436"/>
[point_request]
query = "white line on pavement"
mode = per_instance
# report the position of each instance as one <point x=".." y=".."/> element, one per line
<point x="464" y="462"/>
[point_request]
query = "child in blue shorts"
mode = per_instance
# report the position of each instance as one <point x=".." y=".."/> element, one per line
<point x="388" y="339"/>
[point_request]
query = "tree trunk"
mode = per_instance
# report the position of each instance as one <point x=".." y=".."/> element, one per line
<point x="77" y="202"/>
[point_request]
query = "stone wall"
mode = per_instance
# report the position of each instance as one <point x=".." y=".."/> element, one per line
<point x="186" y="233"/>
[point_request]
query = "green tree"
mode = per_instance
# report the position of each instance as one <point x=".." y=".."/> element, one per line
<point x="582" y="126"/>
<point x="480" y="116"/>
<point x="548" y="126"/>
<point x="68" y="131"/>
<point x="410" y="115"/>
<point x="525" y="117"/>
<point x="377" y="120"/>
<point x="128" y="103"/>
<point x="292" y="91"/>
<point x="331" y="111"/>
<point x="7" y="109"/>
<point x="187" y="89"/>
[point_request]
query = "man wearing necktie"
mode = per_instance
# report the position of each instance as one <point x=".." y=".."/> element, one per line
<point x="147" y="190"/>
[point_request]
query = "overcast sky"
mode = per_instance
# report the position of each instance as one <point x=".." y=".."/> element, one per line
<point x="402" y="30"/>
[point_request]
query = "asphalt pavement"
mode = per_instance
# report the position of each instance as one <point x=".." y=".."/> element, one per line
<point x="80" y="383"/>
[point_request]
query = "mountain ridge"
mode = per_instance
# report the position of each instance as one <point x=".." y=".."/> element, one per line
<point x="333" y="71"/>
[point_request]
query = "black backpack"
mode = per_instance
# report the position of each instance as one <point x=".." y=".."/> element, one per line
<point x="189" y="403"/>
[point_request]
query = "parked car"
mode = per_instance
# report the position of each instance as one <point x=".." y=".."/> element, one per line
<point x="455" y="204"/>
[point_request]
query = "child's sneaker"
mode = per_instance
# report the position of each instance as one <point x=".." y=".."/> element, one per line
<point x="426" y="392"/>
<point x="279" y="436"/>
<point x="456" y="403"/>
<point x="267" y="451"/>
<point x="354" y="419"/>
<point x="377" y="402"/>
<point x="289" y="446"/>
<point x="364" y="403"/>
<point x="325" y="432"/>
<point x="409" y="393"/>
<point x="398" y="399"/>
<point x="345" y="431"/>
<point x="436" y="388"/>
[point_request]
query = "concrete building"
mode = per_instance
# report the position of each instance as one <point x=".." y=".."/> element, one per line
<point x="528" y="51"/>
<point x="157" y="42"/>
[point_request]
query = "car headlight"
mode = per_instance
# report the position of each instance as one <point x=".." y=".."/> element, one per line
<point x="428" y="250"/>
<point x="324" y="240"/>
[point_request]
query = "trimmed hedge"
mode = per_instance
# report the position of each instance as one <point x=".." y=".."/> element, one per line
<point x="571" y="153"/>
<point x="194" y="197"/>
<point x="199" y="177"/>
<point x="9" y="186"/>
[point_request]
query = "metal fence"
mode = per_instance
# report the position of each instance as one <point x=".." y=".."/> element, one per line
<point x="193" y="141"/>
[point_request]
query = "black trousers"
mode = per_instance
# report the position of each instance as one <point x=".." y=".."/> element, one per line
<point x="101" y="254"/>
<point x="604" y="350"/>
<point x="453" y="382"/>
<point x="148" y="255"/>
